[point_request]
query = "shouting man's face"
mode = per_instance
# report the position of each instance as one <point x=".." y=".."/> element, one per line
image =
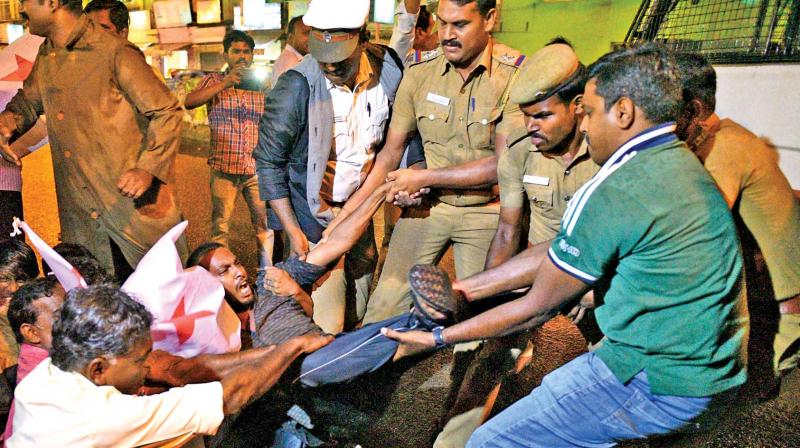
<point x="223" y="264"/>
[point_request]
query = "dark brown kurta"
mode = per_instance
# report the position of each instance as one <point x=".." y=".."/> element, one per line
<point x="107" y="113"/>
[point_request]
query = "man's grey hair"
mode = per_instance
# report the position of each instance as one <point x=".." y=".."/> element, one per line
<point x="100" y="320"/>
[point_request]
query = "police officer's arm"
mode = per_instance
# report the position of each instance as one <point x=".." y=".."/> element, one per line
<point x="475" y="174"/>
<point x="207" y="90"/>
<point x="20" y="115"/>
<point x="506" y="238"/>
<point x="152" y="98"/>
<point x="510" y="170"/>
<point x="518" y="272"/>
<point x="281" y="123"/>
<point x="553" y="289"/>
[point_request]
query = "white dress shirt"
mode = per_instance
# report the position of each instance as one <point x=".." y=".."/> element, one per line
<point x="55" y="408"/>
<point x="360" y="117"/>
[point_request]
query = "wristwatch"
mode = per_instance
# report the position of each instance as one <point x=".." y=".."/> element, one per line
<point x="437" y="337"/>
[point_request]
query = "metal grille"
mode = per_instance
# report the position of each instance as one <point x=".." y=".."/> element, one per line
<point x="725" y="31"/>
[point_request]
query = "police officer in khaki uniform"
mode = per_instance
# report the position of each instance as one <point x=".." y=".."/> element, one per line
<point x="458" y="101"/>
<point x="547" y="165"/>
<point x="550" y="166"/>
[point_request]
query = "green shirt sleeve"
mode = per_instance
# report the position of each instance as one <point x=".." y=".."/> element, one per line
<point x="600" y="227"/>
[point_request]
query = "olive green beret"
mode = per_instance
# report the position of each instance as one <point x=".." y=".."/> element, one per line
<point x="544" y="73"/>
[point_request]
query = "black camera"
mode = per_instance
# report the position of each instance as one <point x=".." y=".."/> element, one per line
<point x="251" y="79"/>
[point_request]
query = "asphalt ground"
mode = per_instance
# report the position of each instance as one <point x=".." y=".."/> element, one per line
<point x="399" y="405"/>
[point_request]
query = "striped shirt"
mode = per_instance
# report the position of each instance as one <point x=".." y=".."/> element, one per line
<point x="233" y="115"/>
<point x="10" y="176"/>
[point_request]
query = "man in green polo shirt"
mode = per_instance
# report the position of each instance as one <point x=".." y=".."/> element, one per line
<point x="653" y="232"/>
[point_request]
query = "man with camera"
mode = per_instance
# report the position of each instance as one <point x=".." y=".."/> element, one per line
<point x="235" y="104"/>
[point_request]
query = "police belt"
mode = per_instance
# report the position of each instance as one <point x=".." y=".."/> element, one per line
<point x="464" y="197"/>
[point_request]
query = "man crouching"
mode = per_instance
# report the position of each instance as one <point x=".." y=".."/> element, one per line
<point x="80" y="396"/>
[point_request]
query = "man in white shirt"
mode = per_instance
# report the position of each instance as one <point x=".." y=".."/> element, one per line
<point x="81" y="395"/>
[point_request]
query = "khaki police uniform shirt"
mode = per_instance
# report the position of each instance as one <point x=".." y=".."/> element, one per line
<point x="458" y="119"/>
<point x="746" y="171"/>
<point x="548" y="183"/>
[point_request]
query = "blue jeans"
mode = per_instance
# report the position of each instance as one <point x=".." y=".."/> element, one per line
<point x="583" y="404"/>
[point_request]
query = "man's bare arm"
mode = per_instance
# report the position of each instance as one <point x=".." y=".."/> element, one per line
<point x="479" y="173"/>
<point x="553" y="289"/>
<point x="177" y="371"/>
<point x="506" y="239"/>
<point x="518" y="272"/>
<point x="348" y="232"/>
<point x="297" y="239"/>
<point x="203" y="95"/>
<point x="253" y="379"/>
<point x="280" y="283"/>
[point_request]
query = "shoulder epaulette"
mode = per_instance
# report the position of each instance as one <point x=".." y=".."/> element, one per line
<point x="507" y="55"/>
<point x="419" y="56"/>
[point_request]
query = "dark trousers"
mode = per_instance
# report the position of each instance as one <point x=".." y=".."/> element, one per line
<point x="354" y="353"/>
<point x="10" y="206"/>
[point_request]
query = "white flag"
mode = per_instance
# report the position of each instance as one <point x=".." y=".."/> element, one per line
<point x="190" y="314"/>
<point x="65" y="273"/>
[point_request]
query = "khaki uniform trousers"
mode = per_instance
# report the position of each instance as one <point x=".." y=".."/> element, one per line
<point x="787" y="343"/>
<point x="423" y="240"/>
<point x="224" y="189"/>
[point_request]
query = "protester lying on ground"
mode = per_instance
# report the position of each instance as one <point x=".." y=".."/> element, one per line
<point x="81" y="395"/>
<point x="165" y="370"/>
<point x="282" y="308"/>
